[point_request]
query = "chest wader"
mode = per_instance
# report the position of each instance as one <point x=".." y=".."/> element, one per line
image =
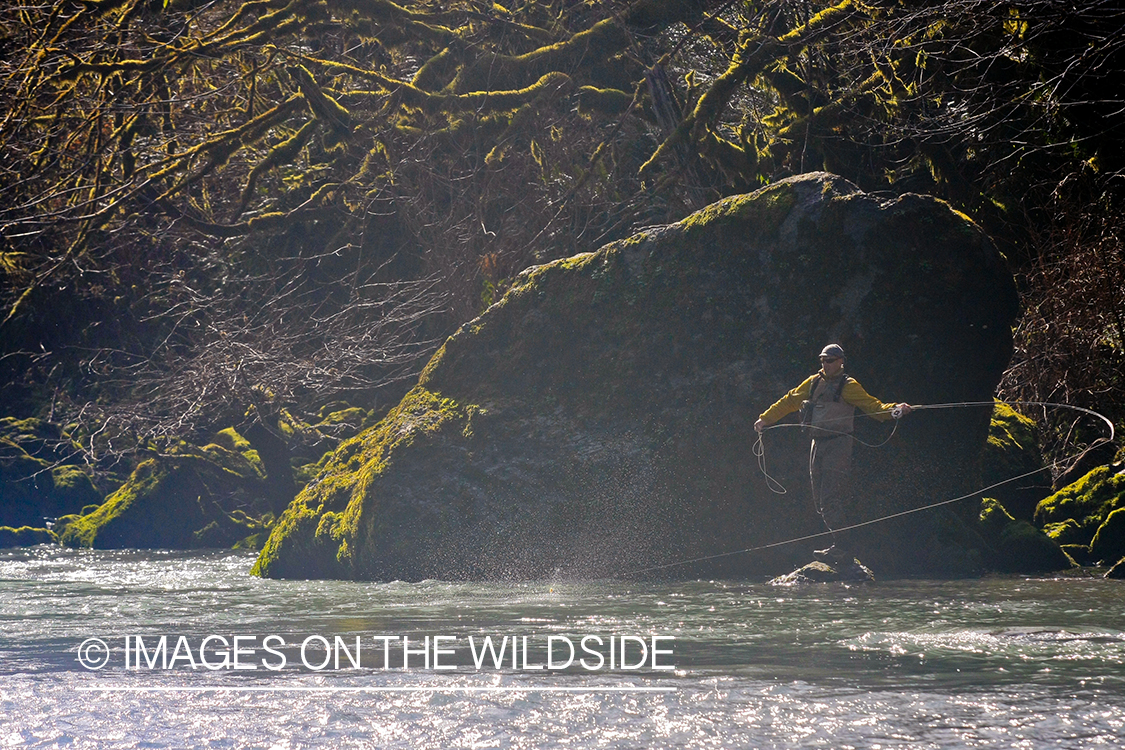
<point x="831" y="421"/>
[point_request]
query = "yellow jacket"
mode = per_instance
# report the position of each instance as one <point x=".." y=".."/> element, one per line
<point x="852" y="393"/>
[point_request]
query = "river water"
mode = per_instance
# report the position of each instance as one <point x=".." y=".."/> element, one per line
<point x="998" y="662"/>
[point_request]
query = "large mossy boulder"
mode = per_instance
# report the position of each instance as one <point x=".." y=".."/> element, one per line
<point x="38" y="477"/>
<point x="598" y="420"/>
<point x="190" y="498"/>
<point x="1089" y="514"/>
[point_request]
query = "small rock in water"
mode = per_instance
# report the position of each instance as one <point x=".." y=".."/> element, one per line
<point x="824" y="572"/>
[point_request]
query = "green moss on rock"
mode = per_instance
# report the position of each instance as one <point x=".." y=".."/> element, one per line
<point x="317" y="516"/>
<point x="994" y="517"/>
<point x="1080" y="553"/>
<point x="1108" y="544"/>
<point x="1076" y="512"/>
<point x="62" y="522"/>
<point x="193" y="498"/>
<point x="36" y="437"/>
<point x="25" y="536"/>
<point x="1025" y="549"/>
<point x="1072" y="531"/>
<point x="1012" y="450"/>
<point x="235" y="530"/>
<point x="353" y="418"/>
<point x="231" y="440"/>
<point x="1019" y="546"/>
<point x="36" y="482"/>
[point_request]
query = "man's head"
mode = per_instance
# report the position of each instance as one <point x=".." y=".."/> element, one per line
<point x="832" y="360"/>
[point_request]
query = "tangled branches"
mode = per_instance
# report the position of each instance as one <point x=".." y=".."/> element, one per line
<point x="204" y="201"/>
<point x="1069" y="342"/>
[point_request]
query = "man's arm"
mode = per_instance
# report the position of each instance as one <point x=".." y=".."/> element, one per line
<point x="786" y="405"/>
<point x="854" y="394"/>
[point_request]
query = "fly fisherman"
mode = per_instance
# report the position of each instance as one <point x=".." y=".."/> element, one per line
<point x="827" y="402"/>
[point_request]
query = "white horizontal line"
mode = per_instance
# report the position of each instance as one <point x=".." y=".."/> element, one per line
<point x="411" y="689"/>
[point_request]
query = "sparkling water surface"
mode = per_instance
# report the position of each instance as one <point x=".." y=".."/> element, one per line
<point x="998" y="662"/>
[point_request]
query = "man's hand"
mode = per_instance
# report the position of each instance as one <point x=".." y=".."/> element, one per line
<point x="759" y="426"/>
<point x="901" y="410"/>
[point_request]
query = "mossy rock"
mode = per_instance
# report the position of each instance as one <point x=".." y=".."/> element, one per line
<point x="1080" y="553"/>
<point x="1012" y="450"/>
<point x="36" y="437"/>
<point x="254" y="542"/>
<point x="342" y="421"/>
<point x="62" y="522"/>
<point x="190" y="499"/>
<point x="243" y="464"/>
<point x="597" y="418"/>
<point x="230" y="439"/>
<point x="994" y="518"/>
<point x="1101" y="452"/>
<point x="1108" y="544"/>
<point x="1025" y="549"/>
<point x="305" y="473"/>
<point x="1075" y="512"/>
<point x="852" y="571"/>
<point x="336" y="422"/>
<point x="235" y="530"/>
<point x="34" y="485"/>
<point x="1072" y="531"/>
<point x="1019" y="546"/>
<point x="25" y="536"/>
